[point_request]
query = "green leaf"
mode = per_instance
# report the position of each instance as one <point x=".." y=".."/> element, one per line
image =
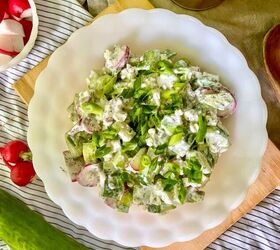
<point x="127" y="93"/>
<point x="202" y="129"/>
<point x="100" y="152"/>
<point x="109" y="133"/>
<point x="176" y="138"/>
<point x="95" y="139"/>
<point x="154" y="208"/>
<point x="136" y="113"/>
<point x="154" y="120"/>
<point x="166" y="94"/>
<point x="153" y="165"/>
<point x="137" y="84"/>
<point x="179" y="85"/>
<point x="105" y="84"/>
<point x="170" y="170"/>
<point x="89" y="152"/>
<point x="168" y="184"/>
<point x="182" y="194"/>
<point x="193" y="171"/>
<point x="142" y="95"/>
<point x="148" y="109"/>
<point x="161" y="149"/>
<point x="165" y="66"/>
<point x="113" y="187"/>
<point x="91" y="108"/>
<point x="75" y="143"/>
<point x="129" y="146"/>
<point x="125" y="202"/>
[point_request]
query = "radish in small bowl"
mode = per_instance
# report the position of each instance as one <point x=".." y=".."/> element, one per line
<point x="18" y="31"/>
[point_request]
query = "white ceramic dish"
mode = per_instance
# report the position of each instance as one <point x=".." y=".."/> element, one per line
<point x="28" y="47"/>
<point x="65" y="75"/>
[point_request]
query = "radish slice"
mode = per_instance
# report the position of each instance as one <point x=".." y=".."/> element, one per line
<point x="123" y="60"/>
<point x="89" y="176"/>
<point x="27" y="27"/>
<point x="11" y="27"/>
<point x="11" y="43"/>
<point x="19" y="9"/>
<point x="4" y="59"/>
<point x="230" y="109"/>
<point x="17" y="43"/>
<point x="6" y="43"/>
<point x="226" y="111"/>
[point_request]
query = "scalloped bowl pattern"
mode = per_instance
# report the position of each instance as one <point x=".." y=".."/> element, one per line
<point x="65" y="75"/>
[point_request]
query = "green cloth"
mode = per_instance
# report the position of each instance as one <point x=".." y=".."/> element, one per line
<point x="244" y="23"/>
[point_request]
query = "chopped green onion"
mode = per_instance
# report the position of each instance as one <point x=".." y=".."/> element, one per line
<point x="91" y="108"/>
<point x="161" y="149"/>
<point x="102" y="151"/>
<point x="179" y="85"/>
<point x="145" y="161"/>
<point x="129" y="146"/>
<point x="109" y="134"/>
<point x="175" y="139"/>
<point x="166" y="94"/>
<point x="182" y="194"/>
<point x="202" y="129"/>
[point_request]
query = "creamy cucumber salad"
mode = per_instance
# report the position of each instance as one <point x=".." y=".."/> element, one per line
<point x="147" y="130"/>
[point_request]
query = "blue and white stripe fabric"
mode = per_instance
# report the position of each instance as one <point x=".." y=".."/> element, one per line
<point x="260" y="229"/>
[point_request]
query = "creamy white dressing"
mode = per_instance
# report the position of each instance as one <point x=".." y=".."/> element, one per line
<point x="180" y="148"/>
<point x="166" y="81"/>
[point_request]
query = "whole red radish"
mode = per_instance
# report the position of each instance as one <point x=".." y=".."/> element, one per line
<point x="19" y="9"/>
<point x="22" y="173"/>
<point x="12" y="150"/>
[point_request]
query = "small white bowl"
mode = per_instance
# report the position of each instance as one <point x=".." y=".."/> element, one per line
<point x="27" y="48"/>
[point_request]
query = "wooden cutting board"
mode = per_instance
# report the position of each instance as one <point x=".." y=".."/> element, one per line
<point x="267" y="181"/>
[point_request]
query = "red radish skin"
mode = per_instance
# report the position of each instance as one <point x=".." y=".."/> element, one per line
<point x="3" y="7"/>
<point x="22" y="173"/>
<point x="19" y="9"/>
<point x="12" y="150"/>
<point x="123" y="60"/>
<point x="9" y="53"/>
<point x="27" y="27"/>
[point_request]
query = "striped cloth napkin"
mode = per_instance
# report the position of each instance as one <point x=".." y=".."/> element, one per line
<point x="260" y="229"/>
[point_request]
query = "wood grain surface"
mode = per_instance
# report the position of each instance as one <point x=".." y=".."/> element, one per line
<point x="267" y="181"/>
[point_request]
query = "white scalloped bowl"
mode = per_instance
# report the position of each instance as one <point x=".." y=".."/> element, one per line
<point x="141" y="30"/>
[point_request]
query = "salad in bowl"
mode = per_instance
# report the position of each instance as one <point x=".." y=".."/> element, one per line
<point x="147" y="130"/>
